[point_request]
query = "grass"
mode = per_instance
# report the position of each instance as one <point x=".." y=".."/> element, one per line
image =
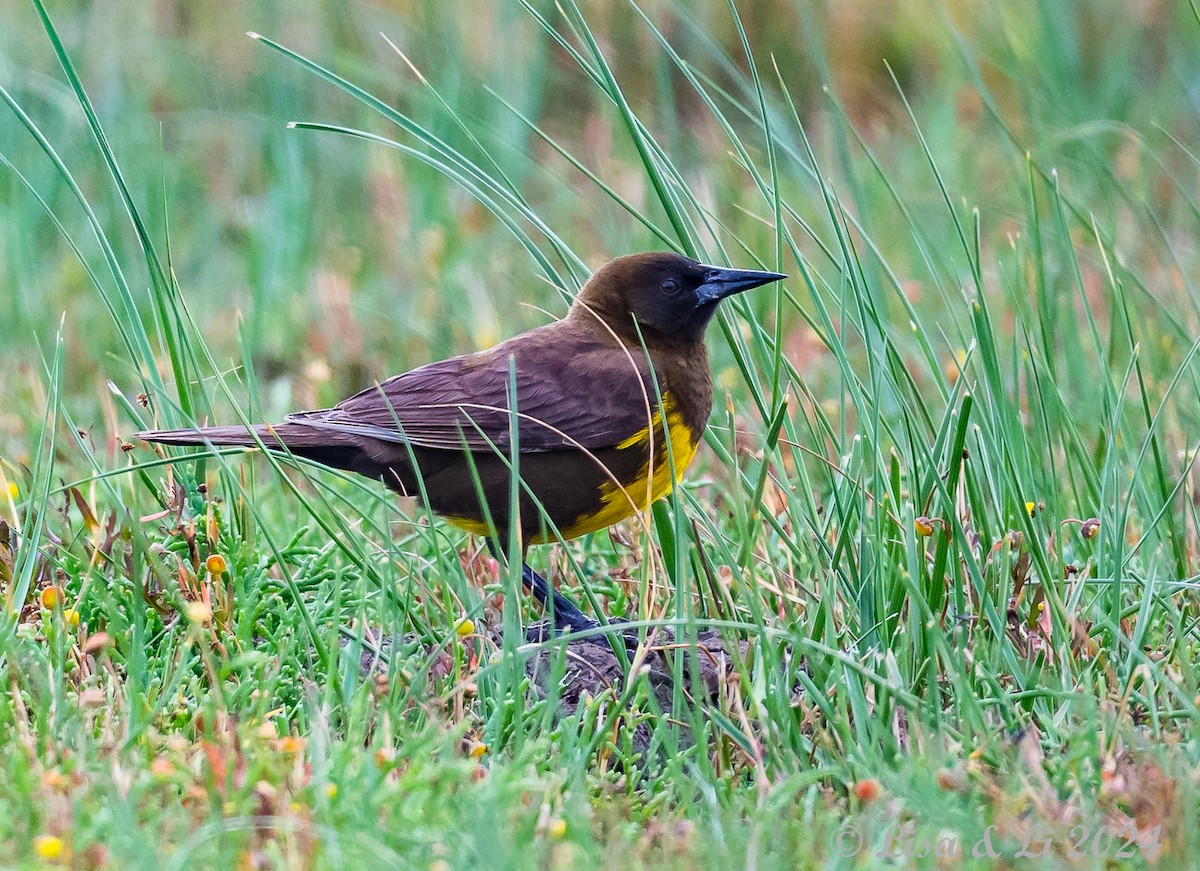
<point x="945" y="519"/>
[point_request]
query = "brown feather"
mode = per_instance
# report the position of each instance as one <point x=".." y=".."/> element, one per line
<point x="463" y="403"/>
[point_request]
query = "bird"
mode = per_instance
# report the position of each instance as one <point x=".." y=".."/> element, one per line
<point x="598" y="414"/>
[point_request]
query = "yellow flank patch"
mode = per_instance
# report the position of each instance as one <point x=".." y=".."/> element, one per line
<point x="639" y="437"/>
<point x="470" y="524"/>
<point x="654" y="480"/>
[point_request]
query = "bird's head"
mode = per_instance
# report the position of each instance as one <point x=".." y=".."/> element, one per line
<point x="669" y="296"/>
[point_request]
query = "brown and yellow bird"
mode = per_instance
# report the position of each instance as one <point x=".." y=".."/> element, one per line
<point x="600" y="413"/>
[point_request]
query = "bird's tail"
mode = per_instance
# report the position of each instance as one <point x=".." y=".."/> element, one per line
<point x="284" y="436"/>
<point x="330" y="448"/>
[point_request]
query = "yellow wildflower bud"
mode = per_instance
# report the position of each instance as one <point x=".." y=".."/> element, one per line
<point x="924" y="526"/>
<point x="465" y="627"/>
<point x="556" y="828"/>
<point x="71" y="616"/>
<point x="1031" y="508"/>
<point x="477" y="750"/>
<point x="49" y="847"/>
<point x="13" y="491"/>
<point x="331" y="791"/>
<point x="215" y="564"/>
<point x="49" y="598"/>
<point x="289" y="744"/>
<point x="1090" y="527"/>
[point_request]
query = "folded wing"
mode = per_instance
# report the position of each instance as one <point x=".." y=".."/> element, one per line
<point x="570" y="392"/>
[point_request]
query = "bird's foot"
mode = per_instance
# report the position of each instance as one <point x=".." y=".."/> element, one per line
<point x="564" y="616"/>
<point x="544" y="630"/>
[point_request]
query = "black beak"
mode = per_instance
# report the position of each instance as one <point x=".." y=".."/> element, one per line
<point x="720" y="283"/>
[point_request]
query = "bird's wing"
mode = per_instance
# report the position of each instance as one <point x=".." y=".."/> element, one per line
<point x="571" y="392"/>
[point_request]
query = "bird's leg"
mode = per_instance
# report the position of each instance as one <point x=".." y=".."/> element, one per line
<point x="563" y="611"/>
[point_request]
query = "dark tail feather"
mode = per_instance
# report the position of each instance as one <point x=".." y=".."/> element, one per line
<point x="295" y="437"/>
<point x="339" y="450"/>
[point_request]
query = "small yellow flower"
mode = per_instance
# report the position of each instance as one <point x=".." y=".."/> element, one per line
<point x="14" y="491"/>
<point x="331" y="791"/>
<point x="215" y="564"/>
<point x="49" y="598"/>
<point x="924" y="526"/>
<point x="477" y="750"/>
<point x="71" y="616"/>
<point x="556" y="828"/>
<point x="1031" y="508"/>
<point x="465" y="627"/>
<point x="289" y="744"/>
<point x="49" y="847"/>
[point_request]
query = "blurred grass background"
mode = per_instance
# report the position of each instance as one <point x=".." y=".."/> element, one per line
<point x="336" y="262"/>
<point x="963" y="558"/>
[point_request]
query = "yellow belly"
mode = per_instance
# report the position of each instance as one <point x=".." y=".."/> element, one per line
<point x="469" y="524"/>
<point x="654" y="481"/>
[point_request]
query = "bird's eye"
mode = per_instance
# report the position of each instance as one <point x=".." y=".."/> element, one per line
<point x="669" y="286"/>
